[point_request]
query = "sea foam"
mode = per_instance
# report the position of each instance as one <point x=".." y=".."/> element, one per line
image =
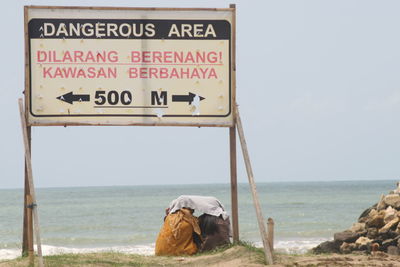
<point x="8" y="254"/>
<point x="298" y="246"/>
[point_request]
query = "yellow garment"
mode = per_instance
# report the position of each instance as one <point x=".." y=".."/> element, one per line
<point x="176" y="235"/>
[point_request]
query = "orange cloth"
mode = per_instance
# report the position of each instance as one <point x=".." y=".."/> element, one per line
<point x="176" y="235"/>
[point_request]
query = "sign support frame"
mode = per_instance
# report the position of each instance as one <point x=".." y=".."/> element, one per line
<point x="236" y="125"/>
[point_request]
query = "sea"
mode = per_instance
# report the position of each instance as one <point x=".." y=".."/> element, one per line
<point x="128" y="218"/>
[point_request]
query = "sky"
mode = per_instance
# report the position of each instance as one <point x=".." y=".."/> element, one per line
<point x="318" y="89"/>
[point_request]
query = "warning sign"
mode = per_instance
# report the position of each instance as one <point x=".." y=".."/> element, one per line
<point x="129" y="66"/>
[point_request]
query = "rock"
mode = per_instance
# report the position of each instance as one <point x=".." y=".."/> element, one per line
<point x="327" y="247"/>
<point x="393" y="200"/>
<point x="388" y="235"/>
<point x="381" y="204"/>
<point x="392" y="250"/>
<point x="388" y="242"/>
<point x="372" y="213"/>
<point x="363" y="241"/>
<point x="372" y="233"/>
<point x="377" y="230"/>
<point x="357" y="227"/>
<point x="376" y="220"/>
<point x="398" y="229"/>
<point x="392" y="224"/>
<point x="366" y="213"/>
<point x="346" y="236"/>
<point x="390" y="214"/>
<point x="374" y="247"/>
<point x="397" y="190"/>
<point x="347" y="247"/>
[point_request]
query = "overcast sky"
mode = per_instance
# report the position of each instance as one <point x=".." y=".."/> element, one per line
<point x="318" y="84"/>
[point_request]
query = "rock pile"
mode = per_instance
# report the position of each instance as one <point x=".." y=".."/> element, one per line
<point x="377" y="229"/>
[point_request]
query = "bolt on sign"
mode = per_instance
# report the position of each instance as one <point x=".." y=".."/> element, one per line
<point x="127" y="66"/>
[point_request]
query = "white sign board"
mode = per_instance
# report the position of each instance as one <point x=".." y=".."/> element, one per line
<point x="121" y="66"/>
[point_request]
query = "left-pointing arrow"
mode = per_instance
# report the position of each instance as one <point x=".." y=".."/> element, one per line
<point x="71" y="98"/>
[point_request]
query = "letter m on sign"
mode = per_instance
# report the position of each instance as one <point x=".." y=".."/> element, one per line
<point x="159" y="98"/>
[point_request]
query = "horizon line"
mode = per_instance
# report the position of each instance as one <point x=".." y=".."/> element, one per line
<point x="194" y="184"/>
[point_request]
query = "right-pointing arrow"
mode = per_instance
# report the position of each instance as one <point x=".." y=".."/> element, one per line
<point x="185" y="98"/>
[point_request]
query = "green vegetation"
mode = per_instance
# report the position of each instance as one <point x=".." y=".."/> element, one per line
<point x="232" y="255"/>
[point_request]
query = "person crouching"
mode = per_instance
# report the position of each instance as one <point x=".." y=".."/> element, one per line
<point x="215" y="231"/>
<point x="177" y="235"/>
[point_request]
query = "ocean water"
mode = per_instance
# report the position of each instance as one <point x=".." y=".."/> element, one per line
<point x="128" y="218"/>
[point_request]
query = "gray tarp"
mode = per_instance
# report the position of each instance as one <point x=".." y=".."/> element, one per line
<point x="208" y="205"/>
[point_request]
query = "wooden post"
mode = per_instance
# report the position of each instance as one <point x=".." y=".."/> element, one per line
<point x="232" y="134"/>
<point x="29" y="206"/>
<point x="260" y="218"/>
<point x="234" y="196"/>
<point x="27" y="232"/>
<point x="30" y="180"/>
<point x="27" y="227"/>
<point x="270" y="226"/>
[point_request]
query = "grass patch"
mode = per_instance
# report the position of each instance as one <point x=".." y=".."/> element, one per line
<point x="242" y="252"/>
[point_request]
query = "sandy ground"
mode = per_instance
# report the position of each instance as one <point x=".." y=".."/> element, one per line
<point x="232" y="257"/>
<point x="379" y="259"/>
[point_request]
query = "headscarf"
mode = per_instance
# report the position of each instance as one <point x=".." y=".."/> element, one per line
<point x="186" y="215"/>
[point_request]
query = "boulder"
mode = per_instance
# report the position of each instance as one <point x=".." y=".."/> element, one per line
<point x="374" y="247"/>
<point x="397" y="190"/>
<point x="390" y="225"/>
<point x="393" y="250"/>
<point x="346" y="236"/>
<point x="390" y="214"/>
<point x="389" y="242"/>
<point x="377" y="230"/>
<point x="357" y="227"/>
<point x="363" y="242"/>
<point x="393" y="200"/>
<point x="387" y="235"/>
<point x="381" y="204"/>
<point x="366" y="214"/>
<point x="347" y="248"/>
<point x="372" y="233"/>
<point x="398" y="229"/>
<point x="327" y="247"/>
<point x="376" y="220"/>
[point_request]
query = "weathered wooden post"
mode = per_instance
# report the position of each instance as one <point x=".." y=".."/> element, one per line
<point x="27" y="241"/>
<point x="29" y="206"/>
<point x="260" y="218"/>
<point x="32" y="194"/>
<point x="232" y="138"/>
<point x="270" y="227"/>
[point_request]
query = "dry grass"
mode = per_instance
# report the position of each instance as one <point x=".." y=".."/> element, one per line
<point x="238" y="255"/>
<point x="232" y="256"/>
